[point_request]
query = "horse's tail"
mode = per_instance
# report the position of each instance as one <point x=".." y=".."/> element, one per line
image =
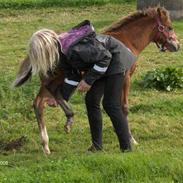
<point x="24" y="73"/>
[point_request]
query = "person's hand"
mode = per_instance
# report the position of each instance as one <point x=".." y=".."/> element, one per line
<point x="83" y="86"/>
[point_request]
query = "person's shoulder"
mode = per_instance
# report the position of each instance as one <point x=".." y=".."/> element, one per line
<point x="102" y="38"/>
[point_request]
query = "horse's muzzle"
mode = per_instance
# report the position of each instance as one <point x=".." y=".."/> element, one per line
<point x="172" y="46"/>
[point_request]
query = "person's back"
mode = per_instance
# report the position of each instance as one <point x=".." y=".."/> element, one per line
<point x="104" y="60"/>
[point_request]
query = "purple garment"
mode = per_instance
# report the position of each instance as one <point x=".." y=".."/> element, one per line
<point x="69" y="38"/>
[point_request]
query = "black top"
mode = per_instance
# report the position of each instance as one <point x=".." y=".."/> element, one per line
<point x="98" y="55"/>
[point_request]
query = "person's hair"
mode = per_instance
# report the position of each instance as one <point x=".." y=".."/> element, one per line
<point x="43" y="51"/>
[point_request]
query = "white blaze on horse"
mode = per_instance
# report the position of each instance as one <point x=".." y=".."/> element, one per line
<point x="135" y="31"/>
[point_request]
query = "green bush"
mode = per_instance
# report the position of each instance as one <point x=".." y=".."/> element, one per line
<point x="164" y="79"/>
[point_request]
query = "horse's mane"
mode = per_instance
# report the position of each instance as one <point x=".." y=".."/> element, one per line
<point x="149" y="12"/>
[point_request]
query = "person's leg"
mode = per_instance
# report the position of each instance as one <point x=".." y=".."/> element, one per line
<point x="112" y="106"/>
<point x="92" y="100"/>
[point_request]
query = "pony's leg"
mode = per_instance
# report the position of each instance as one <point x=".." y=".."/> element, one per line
<point x="54" y="90"/>
<point x="125" y="92"/>
<point x="39" y="104"/>
<point x="67" y="110"/>
<point x="126" y="86"/>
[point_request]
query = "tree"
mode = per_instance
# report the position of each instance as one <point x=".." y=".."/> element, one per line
<point x="174" y="6"/>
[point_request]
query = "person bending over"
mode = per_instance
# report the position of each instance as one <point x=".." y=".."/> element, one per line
<point x="103" y="60"/>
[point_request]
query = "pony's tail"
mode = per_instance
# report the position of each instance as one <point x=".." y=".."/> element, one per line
<point x="24" y="73"/>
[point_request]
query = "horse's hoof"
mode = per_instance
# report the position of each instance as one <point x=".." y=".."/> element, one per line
<point x="67" y="128"/>
<point x="133" y="141"/>
<point x="46" y="151"/>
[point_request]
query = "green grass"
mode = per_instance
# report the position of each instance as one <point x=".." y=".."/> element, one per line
<point x="19" y="4"/>
<point x="156" y="117"/>
<point x="99" y="168"/>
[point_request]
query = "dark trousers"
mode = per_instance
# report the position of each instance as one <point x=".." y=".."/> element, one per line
<point x="111" y="88"/>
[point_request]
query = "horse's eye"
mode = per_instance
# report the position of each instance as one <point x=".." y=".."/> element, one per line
<point x="170" y="28"/>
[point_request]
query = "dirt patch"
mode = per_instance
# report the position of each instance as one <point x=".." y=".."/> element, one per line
<point x="15" y="144"/>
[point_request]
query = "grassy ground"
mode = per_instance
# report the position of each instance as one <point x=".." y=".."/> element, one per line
<point x="19" y="4"/>
<point x="156" y="118"/>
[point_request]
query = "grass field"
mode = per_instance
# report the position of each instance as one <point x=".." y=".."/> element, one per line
<point x="19" y="4"/>
<point x="156" y="117"/>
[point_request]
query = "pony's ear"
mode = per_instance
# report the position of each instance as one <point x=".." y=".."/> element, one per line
<point x="159" y="11"/>
<point x="163" y="14"/>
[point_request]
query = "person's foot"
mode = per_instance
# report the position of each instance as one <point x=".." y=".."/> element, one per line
<point x="125" y="147"/>
<point x="93" y="148"/>
<point x="126" y="150"/>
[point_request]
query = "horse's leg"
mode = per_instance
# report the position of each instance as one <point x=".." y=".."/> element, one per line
<point x="67" y="110"/>
<point x="125" y="92"/>
<point x="54" y="88"/>
<point x="39" y="104"/>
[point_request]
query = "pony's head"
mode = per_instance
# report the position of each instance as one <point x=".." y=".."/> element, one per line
<point x="43" y="51"/>
<point x="165" y="37"/>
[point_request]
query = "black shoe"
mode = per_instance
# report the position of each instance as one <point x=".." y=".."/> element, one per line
<point x="126" y="150"/>
<point x="93" y="148"/>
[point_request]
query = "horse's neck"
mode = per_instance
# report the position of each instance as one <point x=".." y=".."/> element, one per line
<point x="136" y="35"/>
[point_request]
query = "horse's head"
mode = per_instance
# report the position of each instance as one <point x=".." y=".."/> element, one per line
<point x="165" y="37"/>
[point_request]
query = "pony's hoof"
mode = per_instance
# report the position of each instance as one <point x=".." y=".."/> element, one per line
<point x="67" y="128"/>
<point x="46" y="151"/>
<point x="133" y="141"/>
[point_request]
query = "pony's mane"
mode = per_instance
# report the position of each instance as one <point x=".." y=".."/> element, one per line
<point x="149" y="12"/>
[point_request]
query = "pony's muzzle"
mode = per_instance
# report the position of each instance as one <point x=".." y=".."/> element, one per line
<point x="172" y="46"/>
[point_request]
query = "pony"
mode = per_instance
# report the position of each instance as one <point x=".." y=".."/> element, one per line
<point x="136" y="31"/>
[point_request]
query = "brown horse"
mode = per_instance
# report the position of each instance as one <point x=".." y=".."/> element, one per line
<point x="136" y="31"/>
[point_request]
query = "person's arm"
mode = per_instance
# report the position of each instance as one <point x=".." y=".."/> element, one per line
<point x="71" y="81"/>
<point x="97" y="54"/>
<point x="71" y="78"/>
